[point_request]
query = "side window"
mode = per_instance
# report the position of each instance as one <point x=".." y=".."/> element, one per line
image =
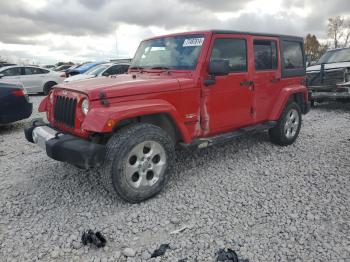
<point x="16" y="71"/>
<point x="34" y="71"/>
<point x="43" y="71"/>
<point x="292" y="55"/>
<point x="115" y="70"/>
<point x="28" y="71"/>
<point x="265" y="55"/>
<point x="234" y="50"/>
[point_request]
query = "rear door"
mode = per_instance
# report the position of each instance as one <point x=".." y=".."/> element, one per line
<point x="33" y="79"/>
<point x="228" y="102"/>
<point x="267" y="75"/>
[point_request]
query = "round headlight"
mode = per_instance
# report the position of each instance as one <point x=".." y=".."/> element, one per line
<point x="85" y="106"/>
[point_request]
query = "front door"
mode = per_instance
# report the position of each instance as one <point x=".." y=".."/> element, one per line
<point x="227" y="103"/>
<point x="11" y="75"/>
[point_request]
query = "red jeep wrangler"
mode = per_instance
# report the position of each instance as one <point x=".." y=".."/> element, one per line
<point x="192" y="89"/>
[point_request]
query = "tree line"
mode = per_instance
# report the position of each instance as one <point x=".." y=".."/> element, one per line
<point x="338" y="33"/>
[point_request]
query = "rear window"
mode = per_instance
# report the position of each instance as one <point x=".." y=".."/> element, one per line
<point x="34" y="71"/>
<point x="292" y="55"/>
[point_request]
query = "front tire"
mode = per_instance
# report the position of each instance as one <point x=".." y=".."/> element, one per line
<point x="139" y="162"/>
<point x="288" y="126"/>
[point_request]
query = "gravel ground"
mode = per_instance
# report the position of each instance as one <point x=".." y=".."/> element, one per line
<point x="268" y="203"/>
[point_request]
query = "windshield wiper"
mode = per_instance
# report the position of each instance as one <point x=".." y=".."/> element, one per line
<point x="160" y="68"/>
<point x="137" y="67"/>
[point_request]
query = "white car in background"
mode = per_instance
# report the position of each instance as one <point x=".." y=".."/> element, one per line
<point x="101" y="70"/>
<point x="34" y="79"/>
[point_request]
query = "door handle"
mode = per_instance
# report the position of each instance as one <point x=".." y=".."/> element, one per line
<point x="246" y="83"/>
<point x="209" y="82"/>
<point x="275" y="80"/>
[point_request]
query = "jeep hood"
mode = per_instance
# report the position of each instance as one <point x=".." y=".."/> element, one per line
<point x="122" y="85"/>
<point x="328" y="66"/>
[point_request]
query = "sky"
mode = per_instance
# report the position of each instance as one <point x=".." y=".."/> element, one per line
<point x="48" y="31"/>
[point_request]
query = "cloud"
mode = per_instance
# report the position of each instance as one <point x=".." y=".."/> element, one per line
<point x="26" y="22"/>
<point x="219" y="5"/>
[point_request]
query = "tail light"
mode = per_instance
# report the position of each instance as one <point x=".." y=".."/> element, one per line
<point x="18" y="92"/>
<point x="63" y="75"/>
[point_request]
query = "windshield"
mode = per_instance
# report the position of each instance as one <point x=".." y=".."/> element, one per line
<point x="335" y="56"/>
<point x="175" y="52"/>
<point x="96" y="70"/>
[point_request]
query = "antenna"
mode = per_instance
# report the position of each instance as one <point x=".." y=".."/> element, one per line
<point x="116" y="43"/>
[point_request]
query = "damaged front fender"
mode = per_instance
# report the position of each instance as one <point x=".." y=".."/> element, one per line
<point x="104" y="119"/>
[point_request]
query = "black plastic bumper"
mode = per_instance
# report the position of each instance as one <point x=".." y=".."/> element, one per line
<point x="71" y="149"/>
<point x="329" y="95"/>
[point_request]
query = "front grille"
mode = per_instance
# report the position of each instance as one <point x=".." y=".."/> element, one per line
<point x="330" y="78"/>
<point x="64" y="111"/>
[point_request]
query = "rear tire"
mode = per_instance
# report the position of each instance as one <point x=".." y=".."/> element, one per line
<point x="138" y="163"/>
<point x="288" y="126"/>
<point x="48" y="86"/>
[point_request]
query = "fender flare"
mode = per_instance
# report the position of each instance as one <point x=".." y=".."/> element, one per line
<point x="43" y="105"/>
<point x="104" y="119"/>
<point x="283" y="98"/>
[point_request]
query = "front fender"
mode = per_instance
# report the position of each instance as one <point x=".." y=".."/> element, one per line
<point x="283" y="98"/>
<point x="103" y="119"/>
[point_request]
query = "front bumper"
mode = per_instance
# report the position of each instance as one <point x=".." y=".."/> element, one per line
<point x="329" y="95"/>
<point x="65" y="147"/>
<point x="339" y="91"/>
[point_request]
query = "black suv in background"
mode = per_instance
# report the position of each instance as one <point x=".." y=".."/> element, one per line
<point x="329" y="79"/>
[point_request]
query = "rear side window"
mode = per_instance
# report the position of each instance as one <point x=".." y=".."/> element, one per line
<point x="232" y="49"/>
<point x="265" y="55"/>
<point x="292" y="55"/>
<point x="16" y="71"/>
<point x="34" y="71"/>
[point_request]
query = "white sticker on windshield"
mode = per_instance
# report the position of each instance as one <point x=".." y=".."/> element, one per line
<point x="193" y="42"/>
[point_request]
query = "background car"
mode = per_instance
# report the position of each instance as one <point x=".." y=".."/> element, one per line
<point x="82" y="68"/>
<point x="14" y="103"/>
<point x="48" y="66"/>
<point x="101" y="70"/>
<point x="329" y="79"/>
<point x="62" y="68"/>
<point x="2" y="64"/>
<point x="34" y="79"/>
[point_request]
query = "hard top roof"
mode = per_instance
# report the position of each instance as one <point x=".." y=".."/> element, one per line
<point x="221" y="31"/>
<point x="217" y="31"/>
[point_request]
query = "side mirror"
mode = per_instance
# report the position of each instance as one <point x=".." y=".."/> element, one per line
<point x="2" y="75"/>
<point x="219" y="67"/>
